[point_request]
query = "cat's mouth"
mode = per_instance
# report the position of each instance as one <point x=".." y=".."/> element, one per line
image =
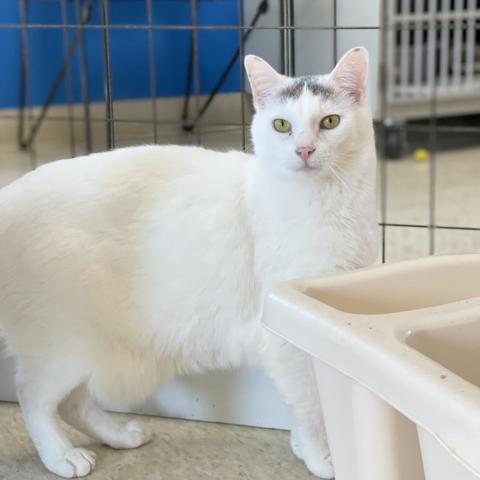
<point x="307" y="166"/>
<point x="311" y="164"/>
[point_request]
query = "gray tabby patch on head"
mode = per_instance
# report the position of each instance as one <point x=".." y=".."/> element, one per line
<point x="297" y="86"/>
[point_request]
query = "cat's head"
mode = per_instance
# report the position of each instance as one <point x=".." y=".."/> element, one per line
<point x="310" y="123"/>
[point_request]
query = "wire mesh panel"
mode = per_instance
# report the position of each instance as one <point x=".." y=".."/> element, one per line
<point x="431" y="70"/>
<point x="89" y="75"/>
<point x="425" y="64"/>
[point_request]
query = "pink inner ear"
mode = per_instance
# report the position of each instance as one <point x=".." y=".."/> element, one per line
<point x="351" y="73"/>
<point x="264" y="80"/>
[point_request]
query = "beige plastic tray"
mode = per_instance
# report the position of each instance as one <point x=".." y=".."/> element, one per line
<point x="397" y="357"/>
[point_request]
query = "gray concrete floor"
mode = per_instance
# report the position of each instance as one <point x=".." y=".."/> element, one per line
<point x="179" y="450"/>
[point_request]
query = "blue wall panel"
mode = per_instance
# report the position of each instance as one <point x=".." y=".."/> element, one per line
<point x="129" y="49"/>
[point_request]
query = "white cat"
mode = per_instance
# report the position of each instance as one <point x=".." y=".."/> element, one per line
<point x="121" y="270"/>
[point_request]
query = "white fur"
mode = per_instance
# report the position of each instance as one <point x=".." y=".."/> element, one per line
<point x="120" y="270"/>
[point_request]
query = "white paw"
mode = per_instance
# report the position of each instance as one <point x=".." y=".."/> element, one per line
<point x="321" y="467"/>
<point x="316" y="459"/>
<point x="131" y="436"/>
<point x="76" y="462"/>
<point x="137" y="434"/>
<point x="296" y="446"/>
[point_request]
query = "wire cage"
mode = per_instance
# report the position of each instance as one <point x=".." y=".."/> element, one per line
<point x="425" y="65"/>
<point x="434" y="45"/>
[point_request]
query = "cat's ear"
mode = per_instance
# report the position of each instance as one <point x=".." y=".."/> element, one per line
<point x="263" y="79"/>
<point x="351" y="73"/>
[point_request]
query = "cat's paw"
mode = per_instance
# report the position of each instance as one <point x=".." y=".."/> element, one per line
<point x="75" y="462"/>
<point x="132" y="435"/>
<point x="137" y="434"/>
<point x="295" y="445"/>
<point x="320" y="464"/>
<point x="321" y="467"/>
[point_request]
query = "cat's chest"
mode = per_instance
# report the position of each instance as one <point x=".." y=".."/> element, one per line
<point x="314" y="247"/>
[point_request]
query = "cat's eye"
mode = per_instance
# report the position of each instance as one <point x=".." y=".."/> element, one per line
<point x="329" y="122"/>
<point x="281" y="125"/>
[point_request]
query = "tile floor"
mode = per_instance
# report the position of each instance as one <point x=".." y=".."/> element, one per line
<point x="457" y="203"/>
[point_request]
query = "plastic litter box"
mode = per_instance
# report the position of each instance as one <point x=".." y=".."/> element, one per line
<point x="396" y="349"/>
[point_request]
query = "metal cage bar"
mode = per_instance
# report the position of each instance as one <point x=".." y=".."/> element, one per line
<point x="109" y="115"/>
<point x="152" y="68"/>
<point x="68" y="80"/>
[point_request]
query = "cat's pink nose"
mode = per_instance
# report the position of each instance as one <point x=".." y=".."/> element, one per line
<point x="305" y="152"/>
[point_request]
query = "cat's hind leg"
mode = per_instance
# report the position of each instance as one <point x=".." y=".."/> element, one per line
<point x="81" y="411"/>
<point x="40" y="391"/>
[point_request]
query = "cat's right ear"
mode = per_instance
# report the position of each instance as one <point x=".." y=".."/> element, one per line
<point x="263" y="79"/>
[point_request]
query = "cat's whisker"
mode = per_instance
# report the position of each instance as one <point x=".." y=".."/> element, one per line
<point x="337" y="176"/>
<point x="364" y="182"/>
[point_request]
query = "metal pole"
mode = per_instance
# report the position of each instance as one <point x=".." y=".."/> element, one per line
<point x="153" y="68"/>
<point x="68" y="79"/>
<point x="109" y="118"/>
<point x="287" y="37"/>
<point x="83" y="17"/>
<point x="383" y="126"/>
<point x="433" y="135"/>
<point x="26" y="94"/>
<point x="196" y="64"/>
<point x="240" y="11"/>
<point x="335" y="36"/>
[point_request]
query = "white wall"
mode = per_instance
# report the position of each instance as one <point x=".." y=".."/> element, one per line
<point x="363" y="13"/>
<point x="314" y="48"/>
<point x="244" y="396"/>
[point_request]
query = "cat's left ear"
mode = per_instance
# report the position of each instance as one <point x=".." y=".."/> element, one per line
<point x="351" y="73"/>
<point x="263" y="78"/>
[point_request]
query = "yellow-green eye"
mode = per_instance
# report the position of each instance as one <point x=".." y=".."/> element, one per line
<point x="281" y="125"/>
<point x="330" y="121"/>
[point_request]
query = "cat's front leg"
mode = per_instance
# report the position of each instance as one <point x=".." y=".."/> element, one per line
<point x="309" y="443"/>
<point x="292" y="372"/>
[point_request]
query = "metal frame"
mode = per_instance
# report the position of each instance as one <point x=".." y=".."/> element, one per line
<point x="287" y="37"/>
<point x="189" y="125"/>
<point x="84" y="11"/>
<point x="286" y="30"/>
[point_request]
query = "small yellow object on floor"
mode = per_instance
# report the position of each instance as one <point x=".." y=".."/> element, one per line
<point x="421" y="155"/>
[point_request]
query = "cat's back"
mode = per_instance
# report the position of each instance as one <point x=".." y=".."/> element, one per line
<point x="133" y="237"/>
<point x="110" y="185"/>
